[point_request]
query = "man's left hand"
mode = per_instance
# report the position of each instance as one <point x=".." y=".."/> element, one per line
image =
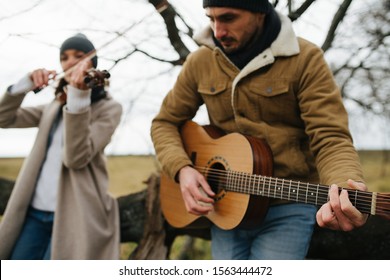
<point x="339" y="213"/>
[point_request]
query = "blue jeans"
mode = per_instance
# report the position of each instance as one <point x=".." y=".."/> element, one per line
<point x="34" y="240"/>
<point x="285" y="234"/>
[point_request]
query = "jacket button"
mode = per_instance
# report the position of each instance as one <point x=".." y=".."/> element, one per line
<point x="212" y="89"/>
<point x="269" y="90"/>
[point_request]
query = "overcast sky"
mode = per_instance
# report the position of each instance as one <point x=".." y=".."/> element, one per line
<point x="44" y="28"/>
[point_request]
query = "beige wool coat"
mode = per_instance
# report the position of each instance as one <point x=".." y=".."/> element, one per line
<point x="286" y="95"/>
<point x="86" y="224"/>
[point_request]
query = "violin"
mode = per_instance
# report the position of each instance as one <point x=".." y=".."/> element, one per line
<point x="94" y="78"/>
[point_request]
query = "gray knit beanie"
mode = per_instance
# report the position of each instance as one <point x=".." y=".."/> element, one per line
<point x="256" y="6"/>
<point x="79" y="42"/>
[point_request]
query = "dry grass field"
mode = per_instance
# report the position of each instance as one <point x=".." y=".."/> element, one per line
<point x="128" y="174"/>
<point x="376" y="167"/>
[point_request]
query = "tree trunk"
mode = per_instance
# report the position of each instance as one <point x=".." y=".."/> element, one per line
<point x="6" y="187"/>
<point x="152" y="245"/>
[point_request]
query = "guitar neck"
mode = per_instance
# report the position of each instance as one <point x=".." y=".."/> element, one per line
<point x="290" y="190"/>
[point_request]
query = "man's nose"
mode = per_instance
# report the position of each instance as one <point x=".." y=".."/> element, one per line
<point x="219" y="30"/>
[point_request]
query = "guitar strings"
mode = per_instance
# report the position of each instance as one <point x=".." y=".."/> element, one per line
<point x="265" y="179"/>
<point x="234" y="181"/>
<point x="364" y="203"/>
<point x="367" y="206"/>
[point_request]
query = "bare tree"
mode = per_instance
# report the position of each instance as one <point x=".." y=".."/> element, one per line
<point x="177" y="35"/>
<point x="364" y="74"/>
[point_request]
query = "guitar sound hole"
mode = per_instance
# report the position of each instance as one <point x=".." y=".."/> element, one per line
<point x="216" y="177"/>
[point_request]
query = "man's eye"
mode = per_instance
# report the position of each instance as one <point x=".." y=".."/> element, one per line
<point x="227" y="19"/>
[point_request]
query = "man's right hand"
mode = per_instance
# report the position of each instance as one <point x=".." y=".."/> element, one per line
<point x="196" y="192"/>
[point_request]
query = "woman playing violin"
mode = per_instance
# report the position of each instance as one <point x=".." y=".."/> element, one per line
<point x="60" y="207"/>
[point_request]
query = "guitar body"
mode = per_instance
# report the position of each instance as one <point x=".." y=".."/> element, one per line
<point x="211" y="151"/>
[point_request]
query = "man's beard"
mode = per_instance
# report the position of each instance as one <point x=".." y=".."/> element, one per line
<point x="229" y="41"/>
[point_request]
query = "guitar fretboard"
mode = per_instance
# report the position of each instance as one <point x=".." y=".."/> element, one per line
<point x="294" y="190"/>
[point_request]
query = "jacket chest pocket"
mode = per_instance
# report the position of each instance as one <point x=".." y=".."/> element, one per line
<point x="217" y="98"/>
<point x="273" y="100"/>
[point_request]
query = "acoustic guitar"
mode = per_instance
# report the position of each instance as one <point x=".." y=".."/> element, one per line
<point x="239" y="168"/>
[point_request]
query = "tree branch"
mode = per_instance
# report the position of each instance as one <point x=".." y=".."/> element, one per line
<point x="294" y="15"/>
<point x="168" y="13"/>
<point x="339" y="16"/>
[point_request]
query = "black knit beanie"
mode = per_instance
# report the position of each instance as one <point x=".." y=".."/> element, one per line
<point x="79" y="42"/>
<point x="256" y="6"/>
